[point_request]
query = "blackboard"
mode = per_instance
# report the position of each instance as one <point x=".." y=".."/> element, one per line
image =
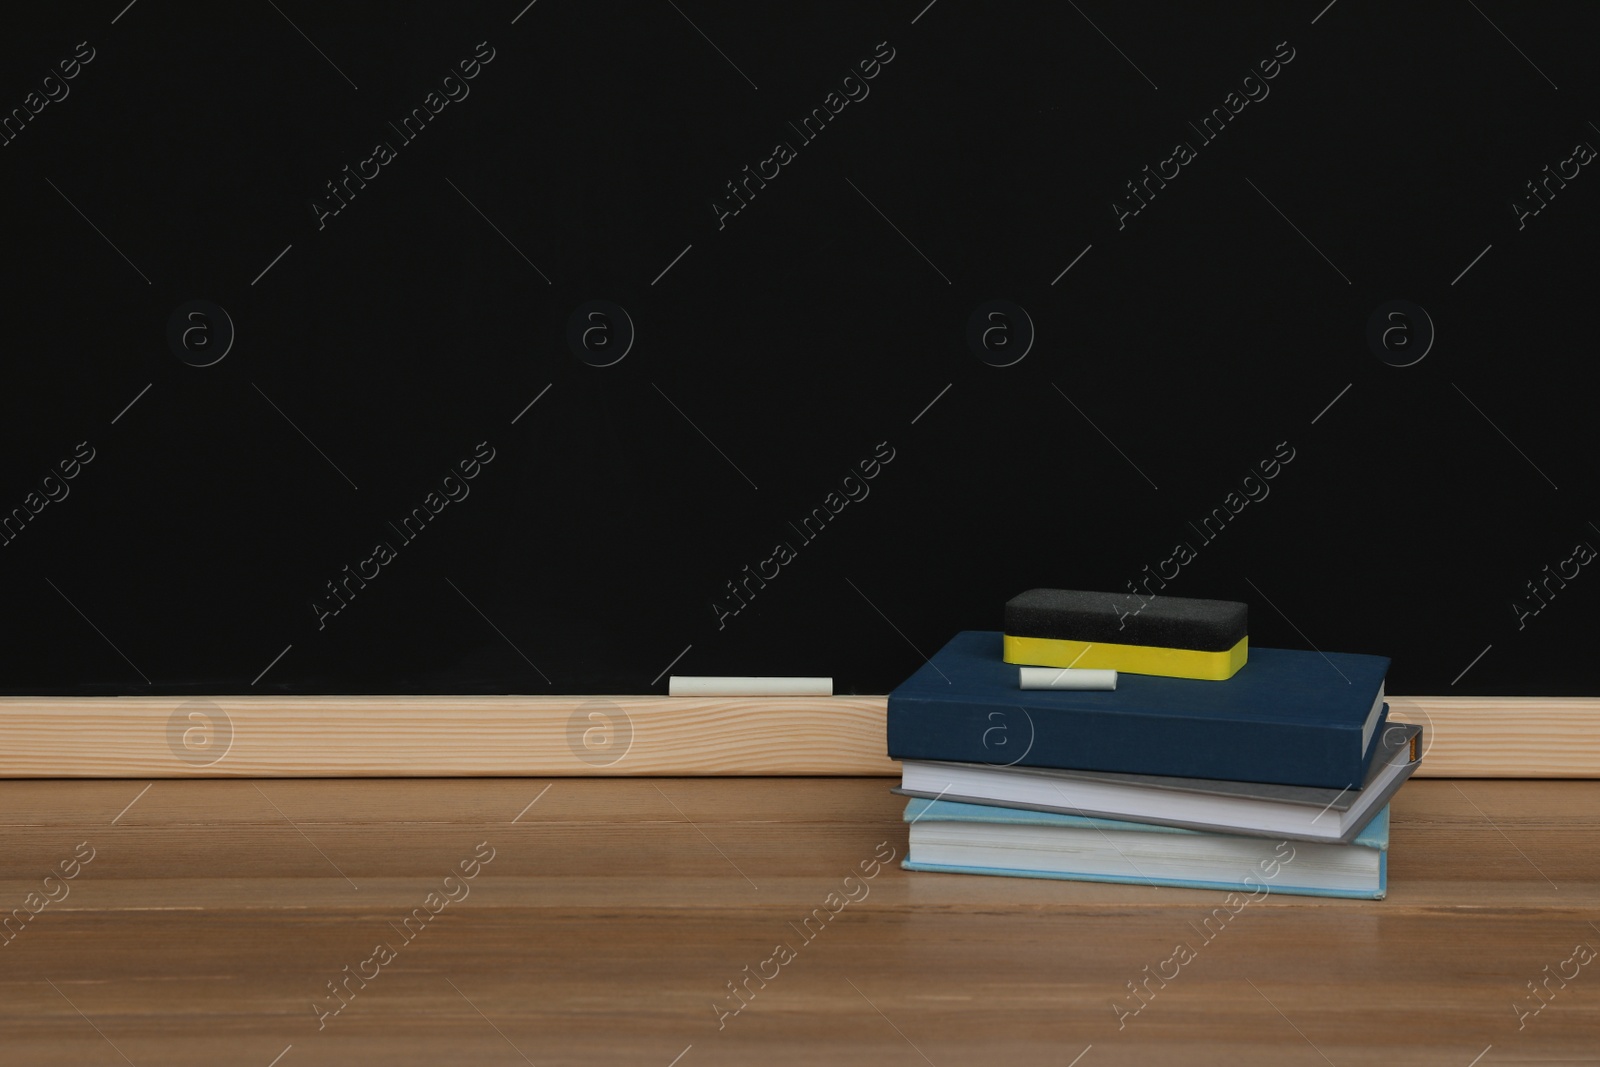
<point x="903" y="307"/>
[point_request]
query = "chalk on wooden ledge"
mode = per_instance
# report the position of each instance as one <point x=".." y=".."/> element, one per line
<point x="679" y="685"/>
<point x="1066" y="678"/>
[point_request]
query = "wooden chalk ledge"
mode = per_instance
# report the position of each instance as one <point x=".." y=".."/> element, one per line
<point x="418" y="736"/>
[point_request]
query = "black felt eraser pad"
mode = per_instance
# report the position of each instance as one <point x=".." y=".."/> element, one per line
<point x="1127" y="619"/>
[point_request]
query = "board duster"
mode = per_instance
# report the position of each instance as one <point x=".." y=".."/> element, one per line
<point x="1176" y="637"/>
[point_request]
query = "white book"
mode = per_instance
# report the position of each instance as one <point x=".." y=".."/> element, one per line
<point x="1252" y="808"/>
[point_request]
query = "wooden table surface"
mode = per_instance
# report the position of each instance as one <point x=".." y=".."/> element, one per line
<point x="206" y="922"/>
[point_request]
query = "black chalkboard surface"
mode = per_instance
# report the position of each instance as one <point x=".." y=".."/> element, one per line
<point x="541" y="348"/>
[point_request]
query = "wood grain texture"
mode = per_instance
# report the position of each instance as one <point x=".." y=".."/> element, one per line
<point x="270" y="736"/>
<point x="614" y="913"/>
<point x="165" y="737"/>
<point x="1505" y="737"/>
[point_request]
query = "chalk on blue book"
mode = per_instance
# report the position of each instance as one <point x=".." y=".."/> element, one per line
<point x="1287" y="717"/>
<point x="979" y="839"/>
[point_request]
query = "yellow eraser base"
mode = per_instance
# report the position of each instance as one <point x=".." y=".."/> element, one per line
<point x="1131" y="659"/>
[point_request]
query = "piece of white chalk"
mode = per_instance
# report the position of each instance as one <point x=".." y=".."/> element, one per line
<point x="1065" y="678"/>
<point x="679" y="685"/>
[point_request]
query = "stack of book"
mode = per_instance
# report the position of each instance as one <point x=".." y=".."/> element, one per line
<point x="1276" y="777"/>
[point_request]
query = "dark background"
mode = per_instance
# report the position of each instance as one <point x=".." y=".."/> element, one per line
<point x="781" y="349"/>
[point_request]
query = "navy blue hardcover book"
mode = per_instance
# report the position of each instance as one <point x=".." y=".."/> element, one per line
<point x="1287" y="717"/>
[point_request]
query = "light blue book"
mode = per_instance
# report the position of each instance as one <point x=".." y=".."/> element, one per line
<point x="979" y="839"/>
